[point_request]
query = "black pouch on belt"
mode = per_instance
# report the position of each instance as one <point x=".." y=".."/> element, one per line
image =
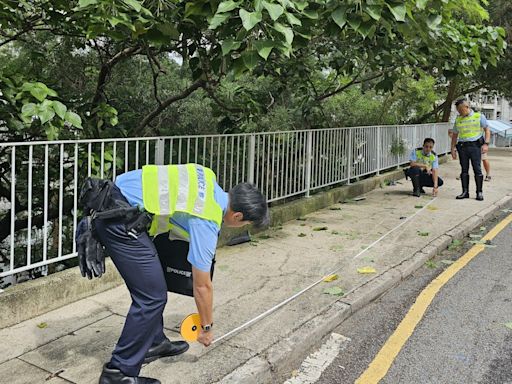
<point x="177" y="269"/>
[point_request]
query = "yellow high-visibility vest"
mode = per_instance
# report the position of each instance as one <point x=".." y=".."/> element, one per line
<point x="188" y="188"/>
<point x="468" y="126"/>
<point x="425" y="159"/>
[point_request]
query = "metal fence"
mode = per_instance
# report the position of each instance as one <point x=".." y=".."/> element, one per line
<point x="42" y="178"/>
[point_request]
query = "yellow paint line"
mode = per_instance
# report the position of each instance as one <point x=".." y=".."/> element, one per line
<point x="380" y="365"/>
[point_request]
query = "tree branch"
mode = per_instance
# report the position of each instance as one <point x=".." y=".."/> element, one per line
<point x="354" y="81"/>
<point x="219" y="102"/>
<point x="146" y="120"/>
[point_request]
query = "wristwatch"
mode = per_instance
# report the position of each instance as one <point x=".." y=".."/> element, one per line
<point x="207" y="327"/>
<point x="486" y="142"/>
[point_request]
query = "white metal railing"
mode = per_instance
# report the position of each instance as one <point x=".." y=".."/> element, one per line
<point x="43" y="177"/>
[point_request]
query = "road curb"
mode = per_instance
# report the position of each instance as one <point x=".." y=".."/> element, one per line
<point x="275" y="363"/>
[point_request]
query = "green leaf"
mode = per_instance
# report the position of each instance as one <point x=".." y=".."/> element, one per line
<point x="366" y="28"/>
<point x="264" y="48"/>
<point x="52" y="132"/>
<point x="335" y="291"/>
<point x="227" y="6"/>
<point x="374" y="11"/>
<point x="301" y="234"/>
<point x="320" y="229"/>
<point x="274" y="10"/>
<point x="46" y="115"/>
<point x="398" y="10"/>
<point x="29" y="110"/>
<point x="292" y="19"/>
<point x="42" y="325"/>
<point x="249" y="19"/>
<point x="420" y="233"/>
<point x="39" y="93"/>
<point x="310" y="13"/>
<point x="340" y="16"/>
<point x="250" y="59"/>
<point x="59" y="108"/>
<point x="133" y="4"/>
<point x="508" y="325"/>
<point x="286" y="31"/>
<point x="421" y="4"/>
<point x="433" y="21"/>
<point x="229" y="45"/>
<point x="218" y="19"/>
<point x="113" y="121"/>
<point x="73" y="119"/>
<point x="86" y="3"/>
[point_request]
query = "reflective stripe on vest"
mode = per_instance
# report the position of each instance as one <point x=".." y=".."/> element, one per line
<point x="469" y="126"/>
<point x="185" y="188"/>
<point x="424" y="159"/>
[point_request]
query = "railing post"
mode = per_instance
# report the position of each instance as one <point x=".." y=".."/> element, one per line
<point x="159" y="151"/>
<point x="309" y="160"/>
<point x="378" y="149"/>
<point x="349" y="165"/>
<point x="251" y="157"/>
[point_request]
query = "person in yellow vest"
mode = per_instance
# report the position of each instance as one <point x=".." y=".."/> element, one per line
<point x="424" y="169"/>
<point x="470" y="138"/>
<point x="187" y="201"/>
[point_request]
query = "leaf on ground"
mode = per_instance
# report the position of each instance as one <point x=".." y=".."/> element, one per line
<point x="335" y="233"/>
<point x="336" y="247"/>
<point x="475" y="236"/>
<point x="432" y="208"/>
<point x="335" y="291"/>
<point x="447" y="262"/>
<point x="320" y="229"/>
<point x="403" y="217"/>
<point x="508" y="325"/>
<point x="454" y="245"/>
<point x="335" y="209"/>
<point x="431" y="264"/>
<point x="302" y="218"/>
<point x="301" y="235"/>
<point x="483" y="228"/>
<point x="420" y="233"/>
<point x="366" y="270"/>
<point x="418" y="206"/>
<point x="42" y="325"/>
<point x="264" y="236"/>
<point x="330" y="278"/>
<point x="302" y="224"/>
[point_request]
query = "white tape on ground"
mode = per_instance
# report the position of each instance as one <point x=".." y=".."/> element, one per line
<point x="284" y="302"/>
<point x="311" y="369"/>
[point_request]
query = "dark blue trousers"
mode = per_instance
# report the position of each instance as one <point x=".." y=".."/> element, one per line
<point x="470" y="152"/>
<point x="426" y="180"/>
<point x="138" y="264"/>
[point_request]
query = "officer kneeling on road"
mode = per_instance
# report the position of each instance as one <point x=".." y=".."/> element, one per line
<point x="424" y="169"/>
<point x="184" y="200"/>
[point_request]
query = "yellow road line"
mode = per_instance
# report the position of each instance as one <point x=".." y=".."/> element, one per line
<point x="380" y="365"/>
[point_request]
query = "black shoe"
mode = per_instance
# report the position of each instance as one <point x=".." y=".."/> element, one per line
<point x="422" y="191"/>
<point x="115" y="376"/>
<point x="165" y="348"/>
<point x="416" y="186"/>
<point x="463" y="195"/>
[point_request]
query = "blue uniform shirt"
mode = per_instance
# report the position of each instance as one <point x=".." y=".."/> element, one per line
<point x="413" y="157"/>
<point x="483" y="124"/>
<point x="203" y="233"/>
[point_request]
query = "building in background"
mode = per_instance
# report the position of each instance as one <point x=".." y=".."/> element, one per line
<point x="494" y="107"/>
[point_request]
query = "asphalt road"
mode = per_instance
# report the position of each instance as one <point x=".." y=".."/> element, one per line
<point x="461" y="339"/>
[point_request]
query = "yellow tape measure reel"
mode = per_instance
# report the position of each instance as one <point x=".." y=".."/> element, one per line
<point x="190" y="327"/>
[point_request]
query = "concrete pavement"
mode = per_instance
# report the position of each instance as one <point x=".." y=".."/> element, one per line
<point x="70" y="344"/>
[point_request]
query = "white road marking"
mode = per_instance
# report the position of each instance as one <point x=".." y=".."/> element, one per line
<point x="311" y="369"/>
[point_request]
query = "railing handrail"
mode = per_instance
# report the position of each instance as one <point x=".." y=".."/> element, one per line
<point x="123" y="139"/>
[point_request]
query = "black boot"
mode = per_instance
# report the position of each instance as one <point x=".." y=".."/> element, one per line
<point x="416" y="186"/>
<point x="111" y="375"/>
<point x="479" y="180"/>
<point x="464" y="178"/>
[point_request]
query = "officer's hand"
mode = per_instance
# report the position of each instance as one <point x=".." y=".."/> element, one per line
<point x="454" y="154"/>
<point x="434" y="192"/>
<point x="205" y="338"/>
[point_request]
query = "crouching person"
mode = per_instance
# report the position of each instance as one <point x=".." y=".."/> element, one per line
<point x="424" y="169"/>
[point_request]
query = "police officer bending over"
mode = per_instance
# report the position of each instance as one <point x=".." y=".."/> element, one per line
<point x="183" y="199"/>
<point x="424" y="170"/>
<point x="471" y="137"/>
